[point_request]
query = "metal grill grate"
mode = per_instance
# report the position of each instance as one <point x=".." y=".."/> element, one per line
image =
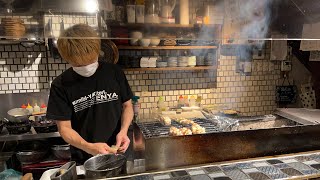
<point x="156" y="129"/>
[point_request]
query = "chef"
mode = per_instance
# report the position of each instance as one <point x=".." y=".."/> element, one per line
<point x="91" y="101"/>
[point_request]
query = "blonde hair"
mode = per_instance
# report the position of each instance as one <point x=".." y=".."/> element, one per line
<point x="79" y="45"/>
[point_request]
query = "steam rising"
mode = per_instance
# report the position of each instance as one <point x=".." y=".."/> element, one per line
<point x="252" y="19"/>
<point x="255" y="15"/>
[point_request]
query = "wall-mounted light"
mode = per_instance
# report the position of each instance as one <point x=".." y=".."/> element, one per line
<point x="91" y="6"/>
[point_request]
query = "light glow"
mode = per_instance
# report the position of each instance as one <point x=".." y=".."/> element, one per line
<point x="91" y="6"/>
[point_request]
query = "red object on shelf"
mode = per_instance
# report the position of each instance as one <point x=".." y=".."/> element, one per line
<point x="122" y="34"/>
<point x="39" y="168"/>
<point x="43" y="106"/>
<point x="23" y="106"/>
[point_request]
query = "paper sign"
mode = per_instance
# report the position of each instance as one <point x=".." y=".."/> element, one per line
<point x="310" y="31"/>
<point x="279" y="48"/>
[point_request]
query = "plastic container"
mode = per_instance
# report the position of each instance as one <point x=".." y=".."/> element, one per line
<point x="29" y="108"/>
<point x="186" y="101"/>
<point x="36" y="108"/>
<point x="192" y="101"/>
<point x="198" y="101"/>
<point x="136" y="108"/>
<point x="43" y="108"/>
<point x="161" y="105"/>
<point x="180" y="101"/>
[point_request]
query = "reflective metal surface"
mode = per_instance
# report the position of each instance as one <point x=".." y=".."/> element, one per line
<point x="65" y="172"/>
<point x="16" y="100"/>
<point x="167" y="152"/>
<point x="107" y="165"/>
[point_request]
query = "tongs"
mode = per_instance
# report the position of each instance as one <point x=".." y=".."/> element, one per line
<point x="66" y="172"/>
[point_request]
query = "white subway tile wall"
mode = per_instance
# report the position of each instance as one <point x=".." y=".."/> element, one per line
<point x="251" y="95"/>
<point x="24" y="70"/>
<point x="27" y="70"/>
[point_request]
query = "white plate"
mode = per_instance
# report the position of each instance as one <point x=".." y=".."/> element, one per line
<point x="190" y="108"/>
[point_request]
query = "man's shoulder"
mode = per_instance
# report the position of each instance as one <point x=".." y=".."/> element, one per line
<point x="62" y="78"/>
<point x="108" y="67"/>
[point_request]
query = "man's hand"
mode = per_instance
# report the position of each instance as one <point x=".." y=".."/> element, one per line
<point x="123" y="141"/>
<point x="99" y="148"/>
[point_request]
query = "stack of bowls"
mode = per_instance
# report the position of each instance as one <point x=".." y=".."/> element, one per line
<point x="192" y="61"/>
<point x="144" y="42"/>
<point x="210" y="59"/>
<point x="135" y="36"/>
<point x="172" y="61"/>
<point x="183" y="61"/>
<point x="162" y="64"/>
<point x="200" y="61"/>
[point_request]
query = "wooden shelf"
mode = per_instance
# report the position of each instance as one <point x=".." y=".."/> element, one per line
<point x="150" y="25"/>
<point x="165" y="47"/>
<point x="197" y="68"/>
<point x="154" y="25"/>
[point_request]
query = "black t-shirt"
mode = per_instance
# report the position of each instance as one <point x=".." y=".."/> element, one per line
<point x="93" y="104"/>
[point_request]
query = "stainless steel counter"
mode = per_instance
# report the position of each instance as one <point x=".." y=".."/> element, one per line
<point x="32" y="135"/>
<point x="289" y="166"/>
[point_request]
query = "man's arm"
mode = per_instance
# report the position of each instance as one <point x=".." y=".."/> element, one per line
<point x="127" y="115"/>
<point x="73" y="138"/>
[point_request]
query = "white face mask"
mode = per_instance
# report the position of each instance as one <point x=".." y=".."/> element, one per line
<point x="86" y="71"/>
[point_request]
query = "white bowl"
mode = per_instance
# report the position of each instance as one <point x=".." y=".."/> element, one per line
<point x="154" y="41"/>
<point x="136" y="35"/>
<point x="144" y="42"/>
<point x="134" y="42"/>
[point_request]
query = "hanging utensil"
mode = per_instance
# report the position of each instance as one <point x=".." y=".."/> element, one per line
<point x="50" y="29"/>
<point x="61" y="25"/>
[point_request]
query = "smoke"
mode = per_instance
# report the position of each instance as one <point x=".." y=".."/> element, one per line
<point x="254" y="15"/>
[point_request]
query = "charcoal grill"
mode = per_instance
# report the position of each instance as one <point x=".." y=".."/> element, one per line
<point x="161" y="151"/>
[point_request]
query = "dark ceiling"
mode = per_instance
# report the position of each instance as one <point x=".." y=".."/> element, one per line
<point x="287" y="16"/>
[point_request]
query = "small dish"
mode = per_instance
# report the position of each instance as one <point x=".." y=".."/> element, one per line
<point x="144" y="42"/>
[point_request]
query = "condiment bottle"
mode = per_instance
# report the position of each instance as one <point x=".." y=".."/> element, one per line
<point x="198" y="101"/>
<point x="43" y="108"/>
<point x="36" y="108"/>
<point x="161" y="106"/>
<point x="180" y="101"/>
<point x="136" y="108"/>
<point x="186" y="101"/>
<point x="23" y="106"/>
<point x="30" y="108"/>
<point x="192" y="101"/>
